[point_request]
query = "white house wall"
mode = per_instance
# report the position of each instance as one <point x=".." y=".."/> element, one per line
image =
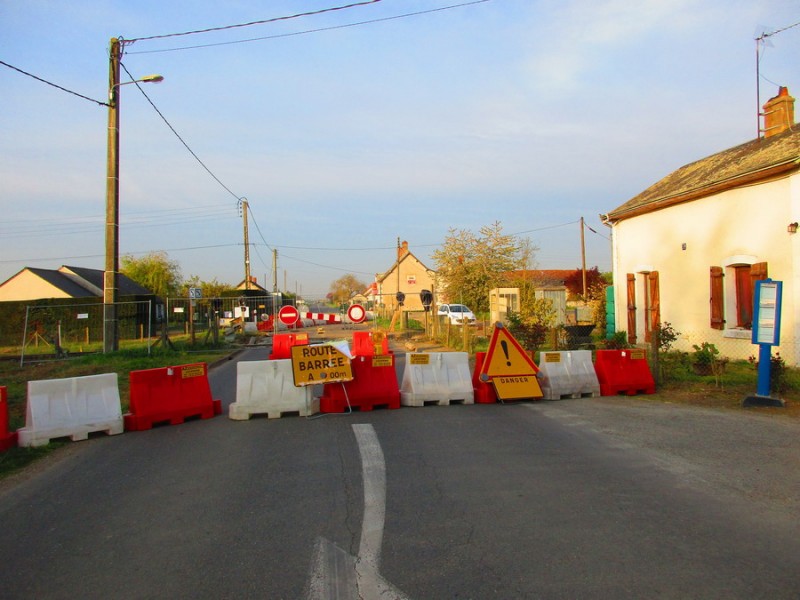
<point x="744" y="225"/>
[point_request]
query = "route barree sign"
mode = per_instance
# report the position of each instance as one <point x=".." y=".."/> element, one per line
<point x="317" y="364"/>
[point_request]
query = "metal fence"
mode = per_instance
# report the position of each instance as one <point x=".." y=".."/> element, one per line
<point x="61" y="329"/>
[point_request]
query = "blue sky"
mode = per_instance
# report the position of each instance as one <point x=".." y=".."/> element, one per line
<point x="527" y="112"/>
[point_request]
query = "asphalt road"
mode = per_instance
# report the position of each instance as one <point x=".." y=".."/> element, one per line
<point x="589" y="498"/>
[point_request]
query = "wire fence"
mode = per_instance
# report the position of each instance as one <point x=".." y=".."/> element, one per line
<point x="64" y="329"/>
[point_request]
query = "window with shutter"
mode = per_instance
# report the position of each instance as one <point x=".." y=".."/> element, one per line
<point x="654" y="308"/>
<point x="631" y="308"/>
<point x="717" y="305"/>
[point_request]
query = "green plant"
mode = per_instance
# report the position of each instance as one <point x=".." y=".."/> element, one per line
<point x="666" y="335"/>
<point x="778" y="372"/>
<point x="704" y="354"/>
<point x="530" y="333"/>
<point x="618" y="341"/>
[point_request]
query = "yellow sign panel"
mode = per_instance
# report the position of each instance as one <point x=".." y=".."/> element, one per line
<point x="637" y="354"/>
<point x="551" y="357"/>
<point x="193" y="371"/>
<point x="317" y="364"/>
<point x="383" y="360"/>
<point x="505" y="357"/>
<point x="420" y="359"/>
<point x="517" y="388"/>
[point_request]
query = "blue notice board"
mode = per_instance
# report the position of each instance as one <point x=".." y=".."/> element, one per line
<point x="767" y="312"/>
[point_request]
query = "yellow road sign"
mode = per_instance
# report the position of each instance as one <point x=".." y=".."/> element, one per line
<point x="322" y="363"/>
<point x="517" y="388"/>
<point x="509" y="368"/>
<point x="505" y="357"/>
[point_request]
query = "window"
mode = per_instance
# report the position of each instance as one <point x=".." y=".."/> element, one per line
<point x="732" y="294"/>
<point x="650" y="317"/>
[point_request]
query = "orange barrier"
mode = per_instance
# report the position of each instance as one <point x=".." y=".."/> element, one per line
<point x="484" y="391"/>
<point x="623" y="372"/>
<point x="374" y="384"/>
<point x="282" y="344"/>
<point x="170" y="394"/>
<point x="7" y="439"/>
<point x="366" y="344"/>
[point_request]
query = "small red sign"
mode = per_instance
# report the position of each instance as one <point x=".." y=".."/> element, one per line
<point x="356" y="313"/>
<point x="288" y="315"/>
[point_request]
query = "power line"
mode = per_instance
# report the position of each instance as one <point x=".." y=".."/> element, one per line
<point x="63" y="89"/>
<point x="163" y="118"/>
<point x="317" y="30"/>
<point x="262" y="22"/>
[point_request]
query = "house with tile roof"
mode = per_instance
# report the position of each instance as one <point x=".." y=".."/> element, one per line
<point x="689" y="249"/>
<point x="407" y="275"/>
<point x="65" y="282"/>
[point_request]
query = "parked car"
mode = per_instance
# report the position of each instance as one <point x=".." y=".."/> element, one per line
<point x="457" y="314"/>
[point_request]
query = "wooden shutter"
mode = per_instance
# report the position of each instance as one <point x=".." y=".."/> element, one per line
<point x="717" y="305"/>
<point x="631" y="308"/>
<point x="655" y="308"/>
<point x="758" y="271"/>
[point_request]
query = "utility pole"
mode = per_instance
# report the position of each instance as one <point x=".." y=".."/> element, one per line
<point x="583" y="261"/>
<point x="243" y="206"/>
<point x="110" y="275"/>
<point x="275" y="270"/>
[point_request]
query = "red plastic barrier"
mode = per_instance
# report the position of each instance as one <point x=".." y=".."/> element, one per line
<point x="170" y="394"/>
<point x="364" y="344"/>
<point x="282" y="344"/>
<point x="7" y="439"/>
<point x="623" y="372"/>
<point x="484" y="392"/>
<point x="267" y="325"/>
<point x="371" y="386"/>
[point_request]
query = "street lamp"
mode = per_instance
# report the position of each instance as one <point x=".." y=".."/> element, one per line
<point x="110" y="275"/>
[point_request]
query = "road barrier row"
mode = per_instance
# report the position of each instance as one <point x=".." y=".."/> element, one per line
<point x="79" y="406"/>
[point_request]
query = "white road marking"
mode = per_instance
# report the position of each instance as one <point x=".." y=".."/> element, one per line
<point x="335" y="574"/>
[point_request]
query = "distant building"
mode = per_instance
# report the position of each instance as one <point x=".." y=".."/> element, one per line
<point x="407" y="275"/>
<point x="65" y="282"/>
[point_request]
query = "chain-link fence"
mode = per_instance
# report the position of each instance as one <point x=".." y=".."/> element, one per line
<point x="64" y="329"/>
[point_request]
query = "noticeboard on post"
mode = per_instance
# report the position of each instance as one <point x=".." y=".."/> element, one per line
<point x="767" y="312"/>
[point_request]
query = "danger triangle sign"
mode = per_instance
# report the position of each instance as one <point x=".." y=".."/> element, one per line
<point x="505" y="357"/>
<point x="509" y="368"/>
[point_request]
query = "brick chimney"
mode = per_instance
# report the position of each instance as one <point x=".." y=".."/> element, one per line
<point x="778" y="113"/>
<point x="402" y="250"/>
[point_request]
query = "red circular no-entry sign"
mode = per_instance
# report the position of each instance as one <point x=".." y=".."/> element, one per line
<point x="288" y="315"/>
<point x="356" y="313"/>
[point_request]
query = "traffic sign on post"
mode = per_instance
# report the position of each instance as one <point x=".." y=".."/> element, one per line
<point x="288" y="315"/>
<point x="356" y="313"/>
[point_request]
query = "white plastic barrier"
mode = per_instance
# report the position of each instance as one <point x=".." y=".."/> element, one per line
<point x="72" y="407"/>
<point x="436" y="378"/>
<point x="267" y="387"/>
<point x="568" y="374"/>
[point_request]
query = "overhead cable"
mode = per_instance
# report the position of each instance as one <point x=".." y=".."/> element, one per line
<point x="262" y="22"/>
<point x="163" y="118"/>
<point x="63" y="89"/>
<point x="307" y="31"/>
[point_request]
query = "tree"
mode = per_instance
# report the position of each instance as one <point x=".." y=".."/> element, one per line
<point x="211" y="289"/>
<point x="574" y="281"/>
<point x="472" y="264"/>
<point x="343" y="288"/>
<point x="155" y="271"/>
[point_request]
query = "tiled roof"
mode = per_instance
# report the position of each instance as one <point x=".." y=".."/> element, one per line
<point x="126" y="286"/>
<point x="62" y="282"/>
<point x="746" y="164"/>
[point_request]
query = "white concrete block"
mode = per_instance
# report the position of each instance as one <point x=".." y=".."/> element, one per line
<point x="266" y="387"/>
<point x="73" y="407"/>
<point x="440" y="378"/>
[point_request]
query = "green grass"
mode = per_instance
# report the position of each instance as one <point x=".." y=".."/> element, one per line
<point x="130" y="358"/>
